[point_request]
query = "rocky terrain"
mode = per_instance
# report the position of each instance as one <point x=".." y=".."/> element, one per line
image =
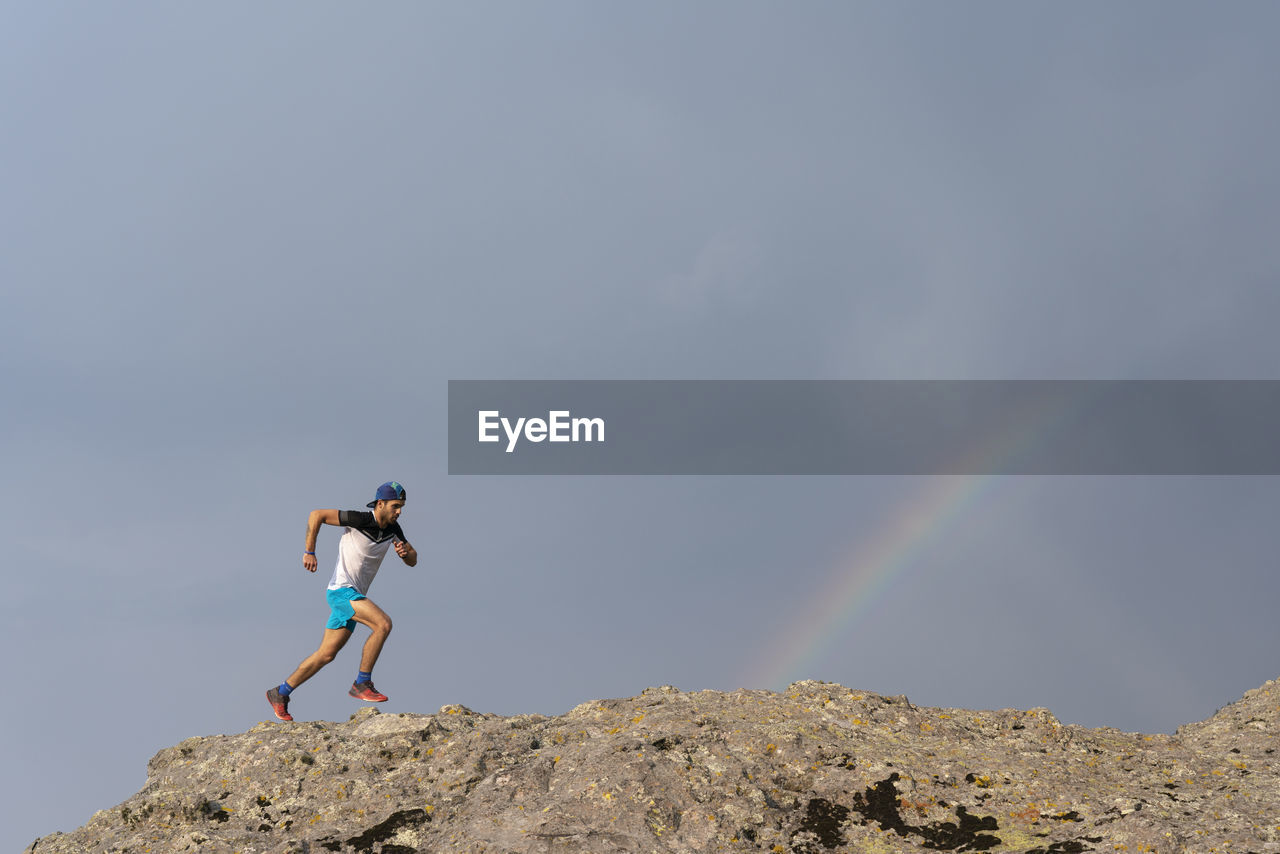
<point x="817" y="768"/>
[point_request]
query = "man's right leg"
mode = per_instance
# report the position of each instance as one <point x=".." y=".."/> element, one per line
<point x="333" y="640"/>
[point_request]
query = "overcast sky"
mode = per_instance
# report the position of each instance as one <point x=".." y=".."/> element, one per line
<point x="245" y="247"/>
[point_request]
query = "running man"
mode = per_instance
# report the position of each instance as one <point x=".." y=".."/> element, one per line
<point x="360" y="552"/>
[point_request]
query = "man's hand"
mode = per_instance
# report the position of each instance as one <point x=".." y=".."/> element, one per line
<point x="314" y="521"/>
<point x="406" y="552"/>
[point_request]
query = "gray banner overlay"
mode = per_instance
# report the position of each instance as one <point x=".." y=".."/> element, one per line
<point x="850" y="427"/>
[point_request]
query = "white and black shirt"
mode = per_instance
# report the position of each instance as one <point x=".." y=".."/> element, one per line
<point x="361" y="549"/>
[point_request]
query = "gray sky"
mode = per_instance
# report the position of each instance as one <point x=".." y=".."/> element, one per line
<point x="246" y="247"/>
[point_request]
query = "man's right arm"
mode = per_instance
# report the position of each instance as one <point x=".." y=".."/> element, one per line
<point x="314" y="521"/>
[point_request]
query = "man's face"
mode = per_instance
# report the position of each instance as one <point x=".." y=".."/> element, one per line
<point x="386" y="512"/>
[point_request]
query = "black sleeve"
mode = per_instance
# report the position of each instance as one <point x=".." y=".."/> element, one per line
<point x="356" y="518"/>
<point x="395" y="529"/>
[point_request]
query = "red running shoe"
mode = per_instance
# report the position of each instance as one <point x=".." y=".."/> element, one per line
<point x="279" y="704"/>
<point x="366" y="691"/>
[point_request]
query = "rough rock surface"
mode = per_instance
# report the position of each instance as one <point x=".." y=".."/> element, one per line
<point x="817" y="768"/>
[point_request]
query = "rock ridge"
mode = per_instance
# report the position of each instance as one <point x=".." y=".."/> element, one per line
<point x="813" y="769"/>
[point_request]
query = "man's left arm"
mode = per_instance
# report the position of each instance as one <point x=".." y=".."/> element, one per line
<point x="407" y="552"/>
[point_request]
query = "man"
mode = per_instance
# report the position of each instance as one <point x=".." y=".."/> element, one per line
<point x="360" y="551"/>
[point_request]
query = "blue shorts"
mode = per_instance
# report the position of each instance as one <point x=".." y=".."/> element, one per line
<point x="341" y="614"/>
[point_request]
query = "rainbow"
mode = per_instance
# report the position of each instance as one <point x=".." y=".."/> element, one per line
<point x="864" y="576"/>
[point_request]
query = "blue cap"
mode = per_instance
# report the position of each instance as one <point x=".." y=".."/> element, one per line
<point x="389" y="491"/>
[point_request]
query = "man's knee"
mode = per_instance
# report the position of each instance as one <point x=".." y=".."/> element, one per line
<point x="379" y="624"/>
<point x="374" y="617"/>
<point x="320" y="657"/>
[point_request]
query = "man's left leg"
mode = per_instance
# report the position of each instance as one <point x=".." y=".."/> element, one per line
<point x="379" y="623"/>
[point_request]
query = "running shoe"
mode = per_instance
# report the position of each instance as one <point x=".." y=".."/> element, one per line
<point x="279" y="704"/>
<point x="366" y="691"/>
